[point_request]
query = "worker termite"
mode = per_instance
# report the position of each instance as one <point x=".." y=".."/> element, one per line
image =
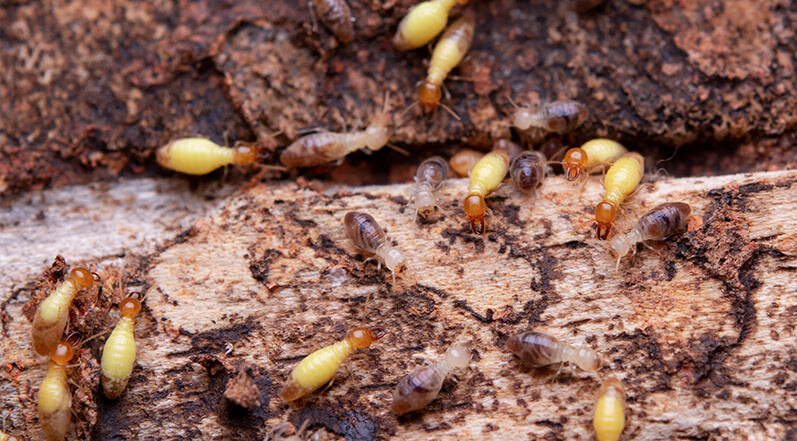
<point x="422" y="385"/>
<point x="609" y="417"/>
<point x="119" y="352"/>
<point x="658" y="223"/>
<point x="621" y="180"/>
<point x="428" y="182"/>
<point x="539" y="349"/>
<point x="320" y="366"/>
<point x="55" y="398"/>
<point x="593" y="155"/>
<point x="485" y="177"/>
<point x="370" y="239"/>
<point x="200" y="156"/>
<point x="51" y="316"/>
<point x="336" y="16"/>
<point x="527" y="171"/>
<point x="559" y="116"/>
<point x="326" y="147"/>
<point x="448" y="52"/>
<point x="464" y="160"/>
<point x="422" y="23"/>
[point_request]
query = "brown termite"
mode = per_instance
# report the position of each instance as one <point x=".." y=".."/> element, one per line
<point x="527" y="170"/>
<point x="464" y="160"/>
<point x="422" y="385"/>
<point x="658" y="223"/>
<point x="326" y="147"/>
<point x="336" y="16"/>
<point x="559" y="116"/>
<point x="428" y="182"/>
<point x="370" y="239"/>
<point x="539" y="349"/>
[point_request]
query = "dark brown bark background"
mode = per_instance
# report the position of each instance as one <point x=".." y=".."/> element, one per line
<point x="90" y="89"/>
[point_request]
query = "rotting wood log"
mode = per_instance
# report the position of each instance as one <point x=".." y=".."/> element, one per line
<point x="701" y="331"/>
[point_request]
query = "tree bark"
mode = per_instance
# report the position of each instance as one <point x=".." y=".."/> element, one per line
<point x="699" y="329"/>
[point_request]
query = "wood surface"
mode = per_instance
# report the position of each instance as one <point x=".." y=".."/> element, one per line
<point x="701" y="331"/>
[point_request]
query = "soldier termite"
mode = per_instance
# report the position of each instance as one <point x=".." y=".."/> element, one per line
<point x="464" y="160"/>
<point x="621" y="180"/>
<point x="528" y="171"/>
<point x="422" y="385"/>
<point x="320" y="366"/>
<point x="485" y="177"/>
<point x="422" y="23"/>
<point x="200" y="156"/>
<point x="539" y="349"/>
<point x="609" y="417"/>
<point x="370" y="239"/>
<point x="559" y="116"/>
<point x="51" y="316"/>
<point x="119" y="352"/>
<point x="658" y="223"/>
<point x="448" y="52"/>
<point x="428" y="182"/>
<point x="336" y="16"/>
<point x="593" y="155"/>
<point x="55" y="398"/>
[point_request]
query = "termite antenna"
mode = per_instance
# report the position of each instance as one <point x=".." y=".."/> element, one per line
<point x="448" y="109"/>
<point x="407" y="109"/>
<point x="398" y="149"/>
<point x="512" y="102"/>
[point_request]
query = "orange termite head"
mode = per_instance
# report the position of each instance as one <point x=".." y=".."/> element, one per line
<point x="82" y="277"/>
<point x="605" y="214"/>
<point x="363" y="337"/>
<point x="430" y="95"/>
<point x="63" y="353"/>
<point x="475" y="208"/>
<point x="574" y="163"/>
<point x="245" y="154"/>
<point x="130" y="306"/>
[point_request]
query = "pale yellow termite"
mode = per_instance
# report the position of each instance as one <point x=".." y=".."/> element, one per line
<point x="593" y="155"/>
<point x="55" y="398"/>
<point x="621" y="180"/>
<point x="422" y="23"/>
<point x="609" y="417"/>
<point x="485" y="177"/>
<point x="320" y="366"/>
<point x="200" y="156"/>
<point x="119" y="352"/>
<point x="50" y="321"/>
<point x="448" y="52"/>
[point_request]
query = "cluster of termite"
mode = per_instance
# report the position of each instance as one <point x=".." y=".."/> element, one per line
<point x="47" y="338"/>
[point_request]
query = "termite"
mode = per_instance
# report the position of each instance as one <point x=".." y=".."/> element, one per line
<point x="512" y="149"/>
<point x="448" y="52"/>
<point x="422" y="385"/>
<point x="51" y="317"/>
<point x="527" y="171"/>
<point x="539" y="349"/>
<point x="55" y="398"/>
<point x="621" y="180"/>
<point x="559" y="116"/>
<point x="609" y="417"/>
<point x="370" y="239"/>
<point x="422" y="23"/>
<point x="320" y="366"/>
<point x="6" y="437"/>
<point x="464" y="160"/>
<point x="326" y="147"/>
<point x="658" y="223"/>
<point x="119" y="352"/>
<point x="200" y="156"/>
<point x="485" y="177"/>
<point x="336" y="16"/>
<point x="593" y="155"/>
<point x="428" y="182"/>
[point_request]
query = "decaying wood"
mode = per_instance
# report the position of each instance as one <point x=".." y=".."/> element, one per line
<point x="701" y="330"/>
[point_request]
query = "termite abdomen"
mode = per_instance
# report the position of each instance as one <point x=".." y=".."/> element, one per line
<point x="336" y="15"/>
<point x="609" y="417"/>
<point x="528" y="171"/>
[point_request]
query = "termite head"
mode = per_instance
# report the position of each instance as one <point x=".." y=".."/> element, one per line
<point x="130" y="306"/>
<point x="363" y="337"/>
<point x="63" y="353"/>
<point x="425" y="202"/>
<point x="574" y="163"/>
<point x="82" y="277"/>
<point x="522" y="118"/>
<point x="588" y="360"/>
<point x="377" y="134"/>
<point x="394" y="261"/>
<point x="475" y="208"/>
<point x="458" y="356"/>
<point x="619" y="247"/>
<point x="605" y="214"/>
<point x="244" y="154"/>
<point x="430" y="95"/>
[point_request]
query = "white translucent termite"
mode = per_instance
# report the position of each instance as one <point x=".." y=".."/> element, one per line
<point x="422" y="385"/>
